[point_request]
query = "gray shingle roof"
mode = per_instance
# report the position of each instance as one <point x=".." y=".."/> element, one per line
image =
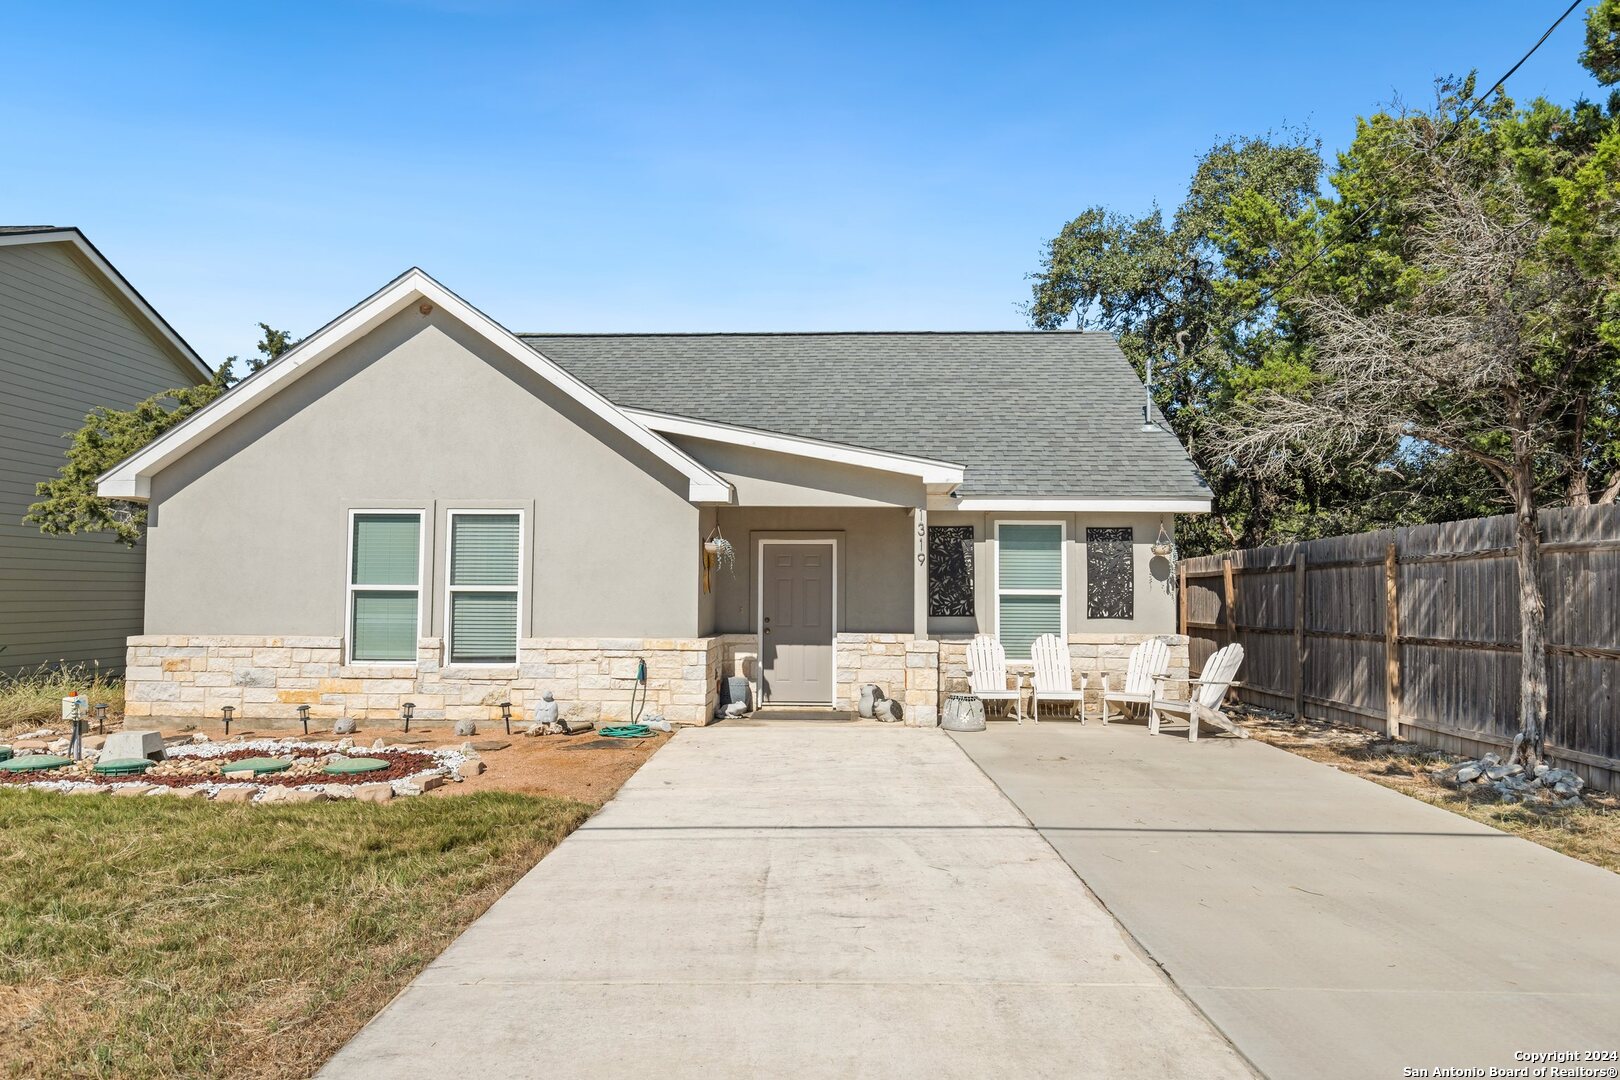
<point x="1029" y="413"/>
<point x="6" y="229"/>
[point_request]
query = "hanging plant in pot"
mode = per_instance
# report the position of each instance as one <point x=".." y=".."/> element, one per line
<point x="1163" y="546"/>
<point x="717" y="554"/>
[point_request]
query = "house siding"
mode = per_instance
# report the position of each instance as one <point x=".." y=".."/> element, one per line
<point x="249" y="530"/>
<point x="67" y="345"/>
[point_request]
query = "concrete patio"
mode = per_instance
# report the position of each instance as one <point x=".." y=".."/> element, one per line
<point x="1330" y="927"/>
<point x="799" y="900"/>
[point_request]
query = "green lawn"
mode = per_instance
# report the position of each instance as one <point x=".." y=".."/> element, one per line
<point x="159" y="937"/>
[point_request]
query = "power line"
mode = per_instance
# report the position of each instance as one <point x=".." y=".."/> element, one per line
<point x="1270" y="291"/>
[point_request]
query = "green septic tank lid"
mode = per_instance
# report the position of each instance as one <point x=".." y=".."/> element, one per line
<point x="35" y="763"/>
<point x="257" y="765"/>
<point x="5" y="753"/>
<point x="124" y="766"/>
<point x="355" y="765"/>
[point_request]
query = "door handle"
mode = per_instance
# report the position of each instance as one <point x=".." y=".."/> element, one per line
<point x="767" y="629"/>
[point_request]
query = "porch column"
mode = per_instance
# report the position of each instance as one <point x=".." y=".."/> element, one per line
<point x="919" y="573"/>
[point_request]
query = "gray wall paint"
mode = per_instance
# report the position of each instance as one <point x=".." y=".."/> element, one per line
<point x="1155" y="603"/>
<point x="766" y="478"/>
<point x="875" y="553"/>
<point x="67" y="344"/>
<point x="249" y="532"/>
<point x="874" y="563"/>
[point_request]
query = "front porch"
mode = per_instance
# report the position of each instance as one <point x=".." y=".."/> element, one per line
<point x="905" y="591"/>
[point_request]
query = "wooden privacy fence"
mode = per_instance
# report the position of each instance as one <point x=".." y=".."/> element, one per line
<point x="1416" y="631"/>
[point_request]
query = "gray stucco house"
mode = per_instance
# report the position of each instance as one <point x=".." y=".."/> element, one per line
<point x="73" y="335"/>
<point x="415" y="504"/>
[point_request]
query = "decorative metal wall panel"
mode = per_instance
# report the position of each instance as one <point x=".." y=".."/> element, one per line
<point x="1110" y="574"/>
<point x="950" y="570"/>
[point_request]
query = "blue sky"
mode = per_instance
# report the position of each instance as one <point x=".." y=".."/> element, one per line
<point x="599" y="166"/>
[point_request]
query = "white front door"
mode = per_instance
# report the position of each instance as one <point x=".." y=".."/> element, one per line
<point x="796" y="623"/>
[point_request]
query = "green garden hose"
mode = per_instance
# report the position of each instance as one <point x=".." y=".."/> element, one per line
<point x="626" y="731"/>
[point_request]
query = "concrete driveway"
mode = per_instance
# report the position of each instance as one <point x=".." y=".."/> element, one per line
<point x="796" y="901"/>
<point x="1330" y="927"/>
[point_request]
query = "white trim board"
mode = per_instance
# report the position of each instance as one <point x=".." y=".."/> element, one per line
<point x="1065" y="504"/>
<point x="451" y="588"/>
<point x="759" y="614"/>
<point x="928" y="470"/>
<point x="1061" y="592"/>
<point x="120" y="285"/>
<point x="132" y="477"/>
<point x="424" y="558"/>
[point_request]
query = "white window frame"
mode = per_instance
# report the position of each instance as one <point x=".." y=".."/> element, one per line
<point x="450" y="589"/>
<point x="1061" y="592"/>
<point x="350" y="588"/>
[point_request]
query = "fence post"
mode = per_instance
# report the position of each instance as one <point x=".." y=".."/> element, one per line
<point x="1392" y="642"/>
<point x="1299" y="634"/>
<point x="1181" y="583"/>
<point x="1230" y="595"/>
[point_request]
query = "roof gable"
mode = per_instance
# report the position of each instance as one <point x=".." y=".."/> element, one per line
<point x="131" y="478"/>
<point x="113" y="281"/>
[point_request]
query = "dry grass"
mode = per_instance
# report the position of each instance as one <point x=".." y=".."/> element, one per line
<point x="33" y="698"/>
<point x="1590" y="832"/>
<point x="156" y="937"/>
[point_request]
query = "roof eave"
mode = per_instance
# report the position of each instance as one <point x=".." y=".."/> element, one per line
<point x="1083" y="504"/>
<point x="131" y="478"/>
<point x="930" y="471"/>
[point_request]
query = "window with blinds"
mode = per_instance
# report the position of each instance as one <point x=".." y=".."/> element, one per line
<point x="1029" y="584"/>
<point x="385" y="586"/>
<point x="485" y="558"/>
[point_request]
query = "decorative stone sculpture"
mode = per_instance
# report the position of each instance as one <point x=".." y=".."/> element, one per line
<point x="545" y="713"/>
<point x="886" y="710"/>
<point x="871" y="694"/>
<point x="344" y="726"/>
<point x="465" y="728"/>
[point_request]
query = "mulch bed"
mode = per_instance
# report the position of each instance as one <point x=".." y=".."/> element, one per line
<point x="401" y="764"/>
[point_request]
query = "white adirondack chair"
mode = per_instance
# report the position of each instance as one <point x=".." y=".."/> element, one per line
<point x="1207" y="693"/>
<point x="1147" y="662"/>
<point x="1054" y="678"/>
<point x="987" y="674"/>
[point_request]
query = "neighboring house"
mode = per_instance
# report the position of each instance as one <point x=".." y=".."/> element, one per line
<point x="73" y="335"/>
<point x="416" y="505"/>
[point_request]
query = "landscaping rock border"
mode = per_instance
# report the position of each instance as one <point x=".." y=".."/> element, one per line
<point x="190" y="771"/>
<point x="1509" y="782"/>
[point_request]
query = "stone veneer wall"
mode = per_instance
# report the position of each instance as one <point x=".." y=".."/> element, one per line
<point x="919" y="674"/>
<point x="267" y="678"/>
<point x="907" y="669"/>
